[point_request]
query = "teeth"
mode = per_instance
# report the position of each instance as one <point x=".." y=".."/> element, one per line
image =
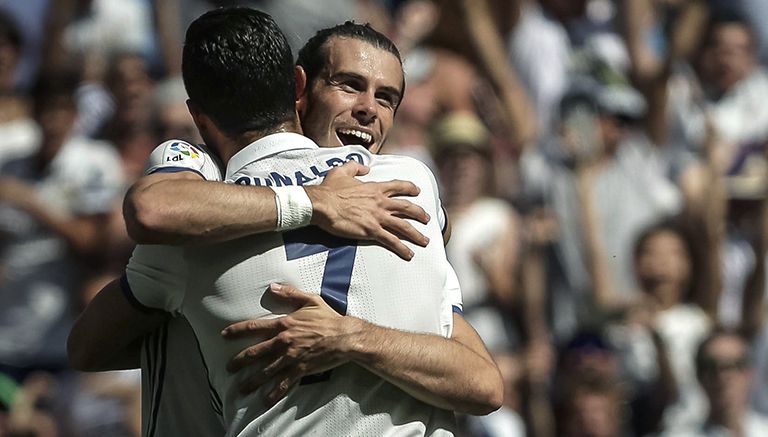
<point x="364" y="136"/>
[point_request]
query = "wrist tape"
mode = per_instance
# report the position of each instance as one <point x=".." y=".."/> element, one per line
<point x="294" y="209"/>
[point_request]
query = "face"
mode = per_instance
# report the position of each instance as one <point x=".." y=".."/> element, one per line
<point x="663" y="267"/>
<point x="353" y="99"/>
<point x="725" y="373"/>
<point x="463" y="175"/>
<point x="728" y="58"/>
<point x="593" y="415"/>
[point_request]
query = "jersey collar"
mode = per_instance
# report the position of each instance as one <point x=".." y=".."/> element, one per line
<point x="268" y="146"/>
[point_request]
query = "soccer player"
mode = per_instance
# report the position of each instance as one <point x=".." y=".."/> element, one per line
<point x="462" y="361"/>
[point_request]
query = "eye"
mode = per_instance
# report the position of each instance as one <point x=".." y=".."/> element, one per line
<point x="351" y="85"/>
<point x="387" y="99"/>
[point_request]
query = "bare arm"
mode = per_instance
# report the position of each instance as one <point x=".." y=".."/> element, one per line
<point x="108" y="333"/>
<point x="167" y="16"/>
<point x="85" y="234"/>
<point x="182" y="208"/>
<point x="651" y="73"/>
<point x="490" y="47"/>
<point x="454" y="373"/>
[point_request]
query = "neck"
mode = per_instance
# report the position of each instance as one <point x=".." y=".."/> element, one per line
<point x="229" y="146"/>
<point x="728" y="418"/>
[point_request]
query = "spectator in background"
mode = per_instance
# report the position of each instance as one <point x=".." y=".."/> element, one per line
<point x="52" y="215"/>
<point x="484" y="249"/>
<point x="129" y="128"/>
<point x="659" y="336"/>
<point x="17" y="128"/>
<point x="594" y="406"/>
<point x="484" y="244"/>
<point x="723" y="368"/>
<point x="601" y="169"/>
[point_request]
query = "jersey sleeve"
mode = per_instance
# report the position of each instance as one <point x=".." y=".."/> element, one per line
<point x="177" y="155"/>
<point x="99" y="184"/>
<point x="155" y="278"/>
<point x="452" y="302"/>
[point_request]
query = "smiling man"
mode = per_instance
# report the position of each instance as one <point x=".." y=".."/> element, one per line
<point x="356" y="84"/>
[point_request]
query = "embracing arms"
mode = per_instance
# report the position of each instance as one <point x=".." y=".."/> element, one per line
<point x="455" y="373"/>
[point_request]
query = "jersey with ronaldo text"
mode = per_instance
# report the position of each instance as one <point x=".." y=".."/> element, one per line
<point x="216" y="285"/>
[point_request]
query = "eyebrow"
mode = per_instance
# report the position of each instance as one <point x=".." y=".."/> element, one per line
<point x="350" y="75"/>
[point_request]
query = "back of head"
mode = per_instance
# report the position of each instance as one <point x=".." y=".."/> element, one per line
<point x="237" y="68"/>
<point x="313" y="57"/>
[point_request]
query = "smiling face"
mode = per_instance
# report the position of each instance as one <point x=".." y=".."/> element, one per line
<point x="354" y="98"/>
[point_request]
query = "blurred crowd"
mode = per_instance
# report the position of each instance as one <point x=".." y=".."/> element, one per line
<point x="604" y="164"/>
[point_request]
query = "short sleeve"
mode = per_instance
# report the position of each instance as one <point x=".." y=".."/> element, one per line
<point x="155" y="278"/>
<point x="177" y="155"/>
<point x="452" y="302"/>
<point x="99" y="184"/>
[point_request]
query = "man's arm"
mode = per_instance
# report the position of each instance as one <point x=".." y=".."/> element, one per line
<point x="84" y="233"/>
<point x="183" y="208"/>
<point x="454" y="373"/>
<point x="107" y="334"/>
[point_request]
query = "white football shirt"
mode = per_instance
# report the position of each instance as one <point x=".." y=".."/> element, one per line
<point x="221" y="284"/>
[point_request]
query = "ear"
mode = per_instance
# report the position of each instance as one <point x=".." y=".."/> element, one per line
<point x="301" y="90"/>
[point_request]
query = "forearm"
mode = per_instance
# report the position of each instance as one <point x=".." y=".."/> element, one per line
<point x="490" y="47"/>
<point x="192" y="210"/>
<point x="85" y="235"/>
<point x="439" y="371"/>
<point x="107" y="334"/>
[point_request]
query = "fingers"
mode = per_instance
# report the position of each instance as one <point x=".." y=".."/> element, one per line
<point x="293" y="295"/>
<point x="253" y="328"/>
<point x="283" y="382"/>
<point x="393" y="244"/>
<point x="253" y="353"/>
<point x="403" y="230"/>
<point x="398" y="188"/>
<point x="350" y="169"/>
<point x="406" y="209"/>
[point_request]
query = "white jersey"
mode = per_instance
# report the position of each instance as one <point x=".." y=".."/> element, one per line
<point x="218" y="285"/>
<point x="176" y="398"/>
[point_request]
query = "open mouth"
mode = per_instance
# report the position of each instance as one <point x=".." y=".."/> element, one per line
<point x="349" y="136"/>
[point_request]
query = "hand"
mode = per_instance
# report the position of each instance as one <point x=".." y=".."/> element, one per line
<point x="346" y="207"/>
<point x="304" y="342"/>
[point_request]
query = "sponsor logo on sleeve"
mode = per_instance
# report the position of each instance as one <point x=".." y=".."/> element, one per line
<point x="180" y="151"/>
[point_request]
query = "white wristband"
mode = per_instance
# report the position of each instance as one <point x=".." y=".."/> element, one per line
<point x="294" y="209"/>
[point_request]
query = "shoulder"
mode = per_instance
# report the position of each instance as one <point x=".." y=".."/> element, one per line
<point x="406" y="166"/>
<point x="179" y="155"/>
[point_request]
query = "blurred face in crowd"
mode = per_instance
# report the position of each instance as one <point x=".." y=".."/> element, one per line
<point x="354" y="98"/>
<point x="728" y="57"/>
<point x="725" y="374"/>
<point x="56" y="117"/>
<point x="663" y="267"/>
<point x="131" y="86"/>
<point x="593" y="414"/>
<point x="464" y="174"/>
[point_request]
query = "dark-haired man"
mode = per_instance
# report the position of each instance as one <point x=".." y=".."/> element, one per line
<point x="408" y="375"/>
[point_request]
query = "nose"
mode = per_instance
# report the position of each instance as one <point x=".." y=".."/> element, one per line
<point x="365" y="109"/>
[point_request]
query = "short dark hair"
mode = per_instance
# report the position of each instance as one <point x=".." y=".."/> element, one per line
<point x="701" y="358"/>
<point x="726" y="18"/>
<point x="55" y="86"/>
<point x="313" y="57"/>
<point x="238" y="67"/>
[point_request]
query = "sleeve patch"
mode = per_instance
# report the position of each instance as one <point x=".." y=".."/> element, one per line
<point x="181" y="151"/>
